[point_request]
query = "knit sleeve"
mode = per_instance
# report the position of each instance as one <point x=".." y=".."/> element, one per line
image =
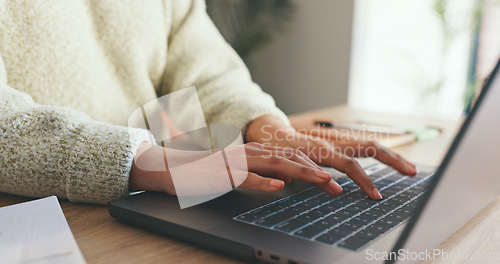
<point x="199" y="56"/>
<point x="49" y="150"/>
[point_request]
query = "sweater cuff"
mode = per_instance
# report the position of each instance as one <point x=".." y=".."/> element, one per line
<point x="102" y="158"/>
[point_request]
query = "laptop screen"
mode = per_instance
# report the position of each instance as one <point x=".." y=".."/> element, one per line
<point x="466" y="182"/>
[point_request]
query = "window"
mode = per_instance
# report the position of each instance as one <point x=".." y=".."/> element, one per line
<point x="412" y="56"/>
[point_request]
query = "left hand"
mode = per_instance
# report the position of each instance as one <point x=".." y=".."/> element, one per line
<point x="270" y="130"/>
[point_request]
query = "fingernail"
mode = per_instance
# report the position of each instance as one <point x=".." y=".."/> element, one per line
<point x="410" y="168"/>
<point x="322" y="174"/>
<point x="276" y="183"/>
<point x="377" y="194"/>
<point x="413" y="169"/>
<point x="335" y="187"/>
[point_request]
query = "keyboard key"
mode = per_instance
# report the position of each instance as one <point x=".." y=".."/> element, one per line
<point x="399" y="216"/>
<point x="342" y="202"/>
<point x="345" y="213"/>
<point x="425" y="183"/>
<point x="382" y="183"/>
<point x="326" y="197"/>
<point x="413" y="192"/>
<point x="422" y="174"/>
<point x="412" y="205"/>
<point x="391" y="204"/>
<point x="349" y="187"/>
<point x="334" y="206"/>
<point x="388" y="221"/>
<point x="357" y="208"/>
<point x="357" y="195"/>
<point x="368" y="216"/>
<point x="298" y="209"/>
<point x="307" y="194"/>
<point x="291" y="225"/>
<point x="354" y="243"/>
<point x="404" y="211"/>
<point x="330" y="207"/>
<point x="319" y="212"/>
<point x="377" y="227"/>
<point x="334" y="219"/>
<point x="325" y="224"/>
<point x="383" y="172"/>
<point x="338" y="231"/>
<point x="362" y="220"/>
<point x="411" y="180"/>
<point x="368" y="233"/>
<point x="249" y="218"/>
<point x="383" y="208"/>
<point x="392" y="178"/>
<point x="288" y="202"/>
<point x="315" y="201"/>
<point x="404" y="184"/>
<point x="377" y="212"/>
<point x="351" y="225"/>
<point x="388" y="192"/>
<point x="329" y="239"/>
<point x="307" y="217"/>
<point x="397" y="201"/>
<point x="349" y="199"/>
<point x="353" y="209"/>
<point x="355" y="223"/>
<point x="302" y="207"/>
<point x="367" y="203"/>
<point x="406" y="196"/>
<point x="419" y="187"/>
<point x="274" y="219"/>
<point x="341" y="181"/>
<point x="259" y="213"/>
<point x="309" y="231"/>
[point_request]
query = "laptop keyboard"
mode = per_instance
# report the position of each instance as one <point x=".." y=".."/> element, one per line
<point x="350" y="220"/>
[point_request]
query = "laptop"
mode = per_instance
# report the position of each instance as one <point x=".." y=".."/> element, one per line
<point x="301" y="224"/>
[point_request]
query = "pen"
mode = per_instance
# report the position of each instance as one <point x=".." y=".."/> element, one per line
<point x="362" y="127"/>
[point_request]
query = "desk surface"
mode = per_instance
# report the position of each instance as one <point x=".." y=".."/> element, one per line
<point x="102" y="239"/>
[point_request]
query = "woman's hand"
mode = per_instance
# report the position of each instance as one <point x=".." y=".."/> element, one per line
<point x="253" y="166"/>
<point x="271" y="131"/>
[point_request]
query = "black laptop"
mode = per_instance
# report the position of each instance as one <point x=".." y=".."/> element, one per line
<point x="301" y="224"/>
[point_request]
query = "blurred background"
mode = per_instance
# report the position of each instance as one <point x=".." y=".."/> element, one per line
<point x="418" y="57"/>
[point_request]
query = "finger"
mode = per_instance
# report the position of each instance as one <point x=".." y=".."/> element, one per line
<point x="396" y="161"/>
<point x="283" y="178"/>
<point x="276" y="165"/>
<point x="373" y="149"/>
<point x="391" y="158"/>
<point x="299" y="157"/>
<point x="331" y="187"/>
<point x="300" y="154"/>
<point x="290" y="153"/>
<point x="255" y="182"/>
<point x="352" y="168"/>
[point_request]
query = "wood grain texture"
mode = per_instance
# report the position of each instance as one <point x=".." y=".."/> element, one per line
<point x="480" y="236"/>
<point x="102" y="239"/>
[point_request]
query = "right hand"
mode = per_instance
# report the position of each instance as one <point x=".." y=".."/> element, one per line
<point x="267" y="169"/>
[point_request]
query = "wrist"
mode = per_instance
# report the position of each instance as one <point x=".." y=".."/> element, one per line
<point x="265" y="128"/>
<point x="149" y="171"/>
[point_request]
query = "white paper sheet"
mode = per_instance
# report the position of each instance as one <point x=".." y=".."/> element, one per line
<point x="37" y="232"/>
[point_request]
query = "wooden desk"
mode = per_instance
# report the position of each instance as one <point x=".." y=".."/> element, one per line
<point x="102" y="239"/>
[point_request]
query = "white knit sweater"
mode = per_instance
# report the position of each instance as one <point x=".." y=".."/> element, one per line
<point x="71" y="73"/>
